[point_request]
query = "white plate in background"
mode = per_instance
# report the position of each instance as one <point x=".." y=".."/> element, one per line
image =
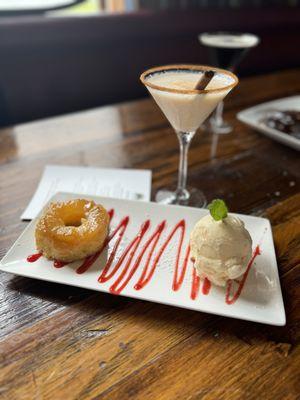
<point x="260" y="299"/>
<point x="253" y="115"/>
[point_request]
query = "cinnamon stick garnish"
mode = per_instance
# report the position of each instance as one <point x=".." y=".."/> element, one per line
<point x="204" y="80"/>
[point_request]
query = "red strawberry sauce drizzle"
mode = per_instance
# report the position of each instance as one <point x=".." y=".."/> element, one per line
<point x="34" y="257"/>
<point x="230" y="297"/>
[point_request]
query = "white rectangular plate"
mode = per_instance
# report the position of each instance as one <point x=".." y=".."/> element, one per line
<point x="252" y="117"/>
<point x="260" y="299"/>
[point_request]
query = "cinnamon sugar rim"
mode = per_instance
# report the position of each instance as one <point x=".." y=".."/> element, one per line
<point x="188" y="67"/>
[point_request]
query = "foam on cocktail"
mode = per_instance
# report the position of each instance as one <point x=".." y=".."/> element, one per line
<point x="187" y="111"/>
<point x="229" y="40"/>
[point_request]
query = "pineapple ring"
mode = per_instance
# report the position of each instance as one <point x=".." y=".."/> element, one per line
<point x="72" y="230"/>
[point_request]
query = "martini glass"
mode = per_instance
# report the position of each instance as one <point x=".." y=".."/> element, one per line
<point x="226" y="50"/>
<point x="172" y="87"/>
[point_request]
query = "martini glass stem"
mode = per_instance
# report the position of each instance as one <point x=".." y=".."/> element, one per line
<point x="218" y="114"/>
<point x="184" y="139"/>
<point x="217" y="123"/>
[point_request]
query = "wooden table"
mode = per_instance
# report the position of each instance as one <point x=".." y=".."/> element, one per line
<point x="61" y="342"/>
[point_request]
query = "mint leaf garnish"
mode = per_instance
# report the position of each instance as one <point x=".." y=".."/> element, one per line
<point x="218" y="209"/>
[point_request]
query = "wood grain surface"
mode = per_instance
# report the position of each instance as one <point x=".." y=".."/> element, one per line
<point x="60" y="342"/>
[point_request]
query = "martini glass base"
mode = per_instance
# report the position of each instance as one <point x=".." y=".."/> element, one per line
<point x="220" y="128"/>
<point x="192" y="197"/>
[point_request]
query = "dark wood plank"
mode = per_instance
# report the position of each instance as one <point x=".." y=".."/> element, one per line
<point x="64" y="342"/>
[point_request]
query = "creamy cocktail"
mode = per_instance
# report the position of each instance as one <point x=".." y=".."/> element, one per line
<point x="174" y="90"/>
<point x="187" y="111"/>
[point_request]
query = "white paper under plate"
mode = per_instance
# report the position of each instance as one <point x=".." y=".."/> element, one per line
<point x="260" y="299"/>
<point x="252" y="117"/>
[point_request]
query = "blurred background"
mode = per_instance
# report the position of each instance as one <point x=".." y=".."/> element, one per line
<point x="60" y="56"/>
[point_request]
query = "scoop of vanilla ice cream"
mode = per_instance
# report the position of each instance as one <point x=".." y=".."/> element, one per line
<point x="221" y="249"/>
